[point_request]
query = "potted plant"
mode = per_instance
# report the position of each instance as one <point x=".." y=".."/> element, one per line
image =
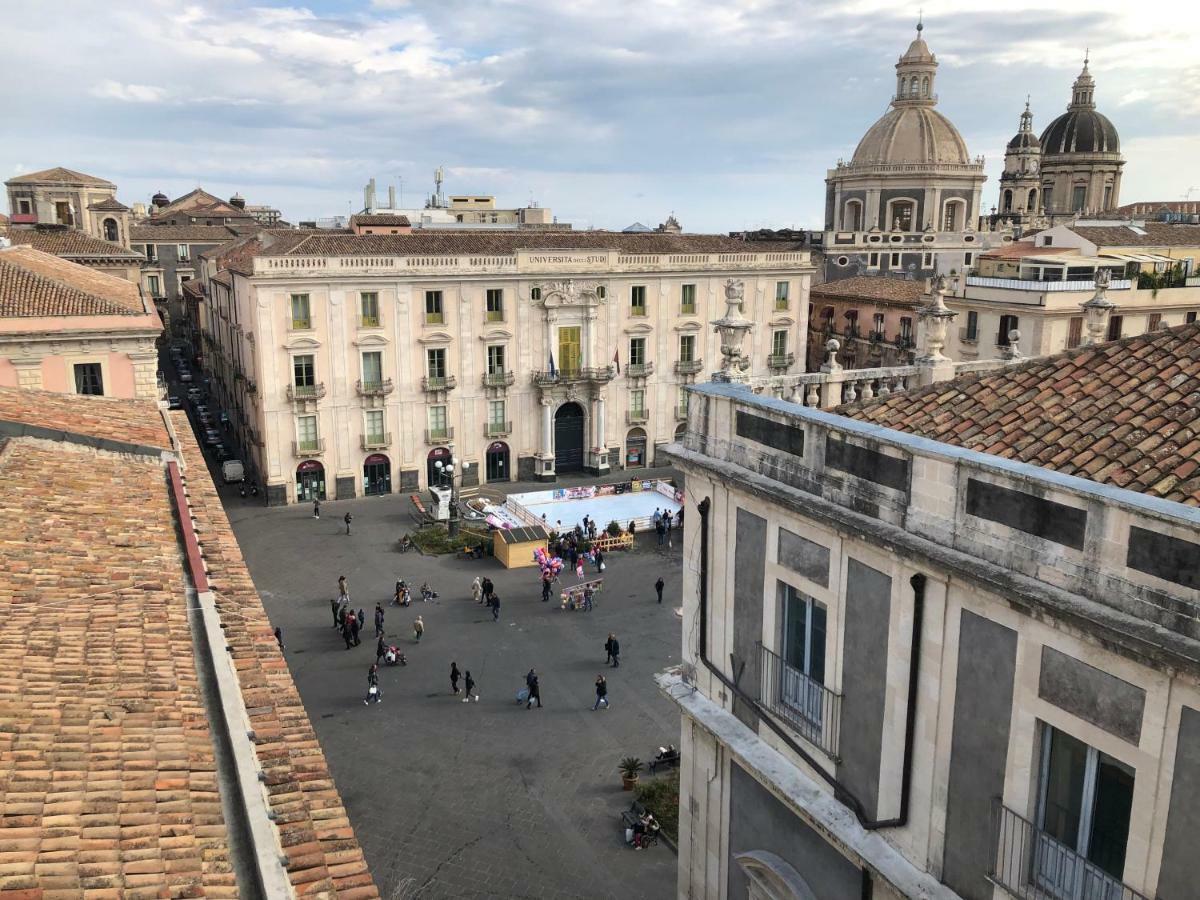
<point x="629" y="767"/>
<point x="613" y="528"/>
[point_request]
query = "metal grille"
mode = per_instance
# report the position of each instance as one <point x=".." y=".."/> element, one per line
<point x="805" y="705"/>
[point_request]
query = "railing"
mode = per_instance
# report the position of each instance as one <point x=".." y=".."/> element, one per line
<point x="376" y="441"/>
<point x="439" y="382"/>
<point x="494" y="315"/>
<point x="681" y="411"/>
<point x="375" y="388"/>
<point x="498" y="379"/>
<point x="437" y="435"/>
<point x="435" y="318"/>
<point x="300" y="324"/>
<point x="636" y="417"/>
<point x="829" y="389"/>
<point x="639" y="370"/>
<point x="560" y="376"/>
<point x="369" y="322"/>
<point x="1020" y="284"/>
<point x="306" y="391"/>
<point x="968" y="335"/>
<point x="688" y="366"/>
<point x="1032" y="865"/>
<point x="308" y="448"/>
<point x="806" y="705"/>
<point x="496" y="429"/>
<point x="780" y="360"/>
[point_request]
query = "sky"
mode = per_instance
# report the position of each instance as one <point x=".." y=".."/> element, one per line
<point x="725" y="112"/>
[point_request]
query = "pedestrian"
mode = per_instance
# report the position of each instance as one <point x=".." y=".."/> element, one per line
<point x="335" y="606"/>
<point x="316" y="509"/>
<point x="378" y="619"/>
<point x="342" y="591"/>
<point x="362" y="620"/>
<point x="579" y="569"/>
<point x="343" y="608"/>
<point x="477" y="590"/>
<point x="495" y="607"/>
<point x="661" y="530"/>
<point x="418" y="629"/>
<point x="657" y="517"/>
<point x="354" y="627"/>
<point x="488" y="588"/>
<point x="632" y="531"/>
<point x="608" y="645"/>
<point x="615" y="650"/>
<point x="679" y="521"/>
<point x="279" y="637"/>
<point x="380" y="649"/>
<point x="535" y="690"/>
<point x="347" y="521"/>
<point x="454" y="676"/>
<point x="658" y="588"/>
<point x="545" y="589"/>
<point x="601" y="693"/>
<point x="347" y="632"/>
<point x="373" y="691"/>
<point x="599" y="557"/>
<point x="469" y="686"/>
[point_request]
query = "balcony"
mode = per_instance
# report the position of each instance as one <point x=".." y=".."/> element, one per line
<point x="306" y="391"/>
<point x="23" y="219"/>
<point x="439" y="435"/>
<point x="365" y="322"/>
<point x="968" y="335"/>
<point x="637" y="417"/>
<point x="497" y="429"/>
<point x="806" y="706"/>
<point x="498" y="379"/>
<point x="639" y="370"/>
<point x="781" y="360"/>
<point x="598" y="375"/>
<point x="298" y="323"/>
<point x="681" y="411"/>
<point x="439" y="382"/>
<point x="376" y="441"/>
<point x="688" y="366"/>
<point x="375" y="388"/>
<point x="308" y="448"/>
<point x="1032" y="865"/>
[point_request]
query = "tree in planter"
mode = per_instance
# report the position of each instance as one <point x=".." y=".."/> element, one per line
<point x="613" y="528"/>
<point x="629" y="768"/>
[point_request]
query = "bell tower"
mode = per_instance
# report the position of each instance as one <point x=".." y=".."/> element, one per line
<point x="915" y="73"/>
<point x="1020" y="195"/>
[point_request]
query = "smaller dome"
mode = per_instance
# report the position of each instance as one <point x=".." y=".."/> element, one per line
<point x="1024" y="140"/>
<point x="1080" y="130"/>
<point x="918" y="51"/>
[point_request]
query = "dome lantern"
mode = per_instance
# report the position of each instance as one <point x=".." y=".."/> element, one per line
<point x="915" y="72"/>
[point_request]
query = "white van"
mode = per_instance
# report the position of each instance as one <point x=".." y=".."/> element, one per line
<point x="232" y="471"/>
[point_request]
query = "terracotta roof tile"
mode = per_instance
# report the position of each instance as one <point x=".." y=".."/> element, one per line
<point x="70" y="243"/>
<point x="103" y="418"/>
<point x="1021" y="249"/>
<point x="379" y="219"/>
<point x="33" y="283"/>
<point x="871" y="288"/>
<point x="58" y="175"/>
<point x="109" y="204"/>
<point x="181" y="234"/>
<point x="1151" y="234"/>
<point x="1097" y="412"/>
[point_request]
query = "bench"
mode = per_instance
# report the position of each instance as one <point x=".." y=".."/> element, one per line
<point x="630" y="816"/>
<point x="667" y="762"/>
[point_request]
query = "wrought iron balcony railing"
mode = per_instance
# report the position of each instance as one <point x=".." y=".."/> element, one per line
<point x="498" y="379"/>
<point x="306" y="391"/>
<point x="599" y="374"/>
<point x="639" y="370"/>
<point x="803" y="703"/>
<point x="375" y="388"/>
<point x="308" y="448"/>
<point x="688" y="366"/>
<point x="439" y="382"/>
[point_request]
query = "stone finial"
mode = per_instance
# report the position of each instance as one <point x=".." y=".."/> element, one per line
<point x="936" y="318"/>
<point x="733" y="328"/>
<point x="1097" y="310"/>
<point x="1012" y="351"/>
<point x="831" y="351"/>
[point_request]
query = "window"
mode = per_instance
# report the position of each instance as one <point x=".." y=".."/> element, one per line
<point x="495" y="359"/>
<point x="601" y="292"/>
<point x="687" y="300"/>
<point x="637" y="300"/>
<point x="968" y="258"/>
<point x="1189" y="318"/>
<point x="852" y="218"/>
<point x="374" y="425"/>
<point x="495" y="305"/>
<point x="496" y="411"/>
<point x="437" y="421"/>
<point x="368" y="302"/>
<point x="903" y="213"/>
<point x="152" y="253"/>
<point x="433" y="308"/>
<point x="304" y="371"/>
<point x="802" y="646"/>
<point x="88" y="379"/>
<point x="905" y="330"/>
<point x="687" y="347"/>
<point x="1048" y="200"/>
<point x="872" y="260"/>
<point x="1084" y="801"/>
<point x="306" y="432"/>
<point x="536" y="293"/>
<point x="154" y="285"/>
<point x="24" y="207"/>
<point x="1006" y="206"/>
<point x="781" y="295"/>
<point x="570" y="352"/>
<point x="1155" y="322"/>
<point x="1007" y="324"/>
<point x="926" y="260"/>
<point x="894" y="262"/>
<point x="681" y="401"/>
<point x="637" y="402"/>
<point x="62" y="212"/>
<point x="637" y="351"/>
<point x="779" y="343"/>
<point x="372" y="369"/>
<point x="1107" y="196"/>
<point x="878" y="328"/>
<point x="1078" y="197"/>
<point x="972" y="333"/>
<point x="435" y="362"/>
<point x="1114" y="327"/>
<point x="1075" y="332"/>
<point x="110" y="230"/>
<point x="182" y="252"/>
<point x="301" y="312"/>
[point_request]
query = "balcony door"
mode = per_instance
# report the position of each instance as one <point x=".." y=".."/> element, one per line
<point x="1083" y="816"/>
<point x="803" y="649"/>
<point x="570" y="341"/>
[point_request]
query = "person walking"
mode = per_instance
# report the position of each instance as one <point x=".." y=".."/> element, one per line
<point x="316" y="509"/>
<point x="661" y="530"/>
<point x="380" y="649"/>
<point x="469" y="686"/>
<point x="608" y="648"/>
<point x="355" y="627"/>
<point x="667" y="528"/>
<point x="347" y="520"/>
<point x="418" y="629"/>
<point x="373" y="683"/>
<point x="495" y="607"/>
<point x="362" y="620"/>
<point x="545" y="588"/>
<point x="454" y="676"/>
<point x="378" y="619"/>
<point x="615" y="651"/>
<point x="601" y="693"/>
<point x="658" y="588"/>
<point x="477" y="590"/>
<point x="335" y="606"/>
<point x="342" y="588"/>
<point x="679" y="521"/>
<point x="535" y="690"/>
<point x="599" y="558"/>
<point x="347" y="631"/>
<point x="488" y="588"/>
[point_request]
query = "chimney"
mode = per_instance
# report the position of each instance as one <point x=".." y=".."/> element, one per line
<point x="391" y="196"/>
<point x="369" y="196"/>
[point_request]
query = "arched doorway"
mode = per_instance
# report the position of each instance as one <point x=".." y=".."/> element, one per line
<point x="377" y="474"/>
<point x="496" y="461"/>
<point x="310" y="481"/>
<point x="635" y="449"/>
<point x="681" y="431"/>
<point x="436" y="455"/>
<point x="568" y="438"/>
<point x="1031" y="205"/>
<point x="1007" y="205"/>
<point x="110" y="230"/>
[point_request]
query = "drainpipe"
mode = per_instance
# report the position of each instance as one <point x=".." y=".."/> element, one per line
<point x="840" y="791"/>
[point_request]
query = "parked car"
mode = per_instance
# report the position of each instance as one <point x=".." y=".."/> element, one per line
<point x="211" y="438"/>
<point x="195" y="394"/>
<point x="232" y="471"/>
<point x="174" y="403"/>
<point x="185" y="376"/>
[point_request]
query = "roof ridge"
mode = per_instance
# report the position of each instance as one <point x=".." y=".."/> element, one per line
<point x="66" y="285"/>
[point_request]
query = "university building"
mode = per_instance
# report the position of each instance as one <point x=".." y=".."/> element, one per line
<point x="945" y="642"/>
<point x="352" y="364"/>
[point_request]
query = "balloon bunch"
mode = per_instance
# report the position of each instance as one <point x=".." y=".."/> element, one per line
<point x="551" y="566"/>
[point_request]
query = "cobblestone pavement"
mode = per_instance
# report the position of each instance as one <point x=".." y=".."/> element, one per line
<point x="482" y="799"/>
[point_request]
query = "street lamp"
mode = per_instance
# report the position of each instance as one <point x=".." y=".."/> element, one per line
<point x="446" y="471"/>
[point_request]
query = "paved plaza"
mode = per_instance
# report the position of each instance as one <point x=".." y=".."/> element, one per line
<point x="482" y="799"/>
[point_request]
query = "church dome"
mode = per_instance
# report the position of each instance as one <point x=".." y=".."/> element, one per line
<point x="1024" y="140"/>
<point x="911" y="134"/>
<point x="1081" y="130"/>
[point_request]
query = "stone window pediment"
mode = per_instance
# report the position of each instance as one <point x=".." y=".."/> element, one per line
<point x="689" y="327"/>
<point x="495" y="335"/>
<point x="782" y="321"/>
<point x="436" y="337"/>
<point x="639" y="328"/>
<point x="560" y="294"/>
<point x="302" y="343"/>
<point x="372" y="340"/>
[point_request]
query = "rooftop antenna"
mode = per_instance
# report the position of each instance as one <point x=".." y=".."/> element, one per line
<point x="438" y="177"/>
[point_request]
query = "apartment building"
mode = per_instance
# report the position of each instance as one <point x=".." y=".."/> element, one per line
<point x="946" y="643"/>
<point x="352" y="364"/>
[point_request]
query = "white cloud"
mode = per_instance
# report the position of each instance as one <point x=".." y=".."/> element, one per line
<point x="128" y="93"/>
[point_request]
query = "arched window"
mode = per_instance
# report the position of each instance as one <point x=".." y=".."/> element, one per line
<point x="852" y="216"/>
<point x="953" y="215"/>
<point x="1032" y="207"/>
<point x="901" y="215"/>
<point x="1007" y="205"/>
<point x="925" y="86"/>
<point x="110" y="230"/>
<point x="912" y="87"/>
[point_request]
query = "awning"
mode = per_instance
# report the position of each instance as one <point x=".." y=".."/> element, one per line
<point x="1139" y="257"/>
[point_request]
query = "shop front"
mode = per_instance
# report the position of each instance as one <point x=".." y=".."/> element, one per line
<point x="377" y="475"/>
<point x="310" y="481"/>
<point x="496" y="461"/>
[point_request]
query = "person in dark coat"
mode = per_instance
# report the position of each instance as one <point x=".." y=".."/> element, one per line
<point x="362" y="620"/>
<point x="599" y="556"/>
<point x="545" y="589"/>
<point x="378" y="619"/>
<point x="348" y="631"/>
<point x="373" y="682"/>
<point x="352" y="619"/>
<point x="495" y="607"/>
<point x="335" y="606"/>
<point x="658" y="588"/>
<point x="488" y="588"/>
<point x="601" y="692"/>
<point x="469" y="685"/>
<point x="615" y="651"/>
<point x="316" y="509"/>
<point x="347" y="520"/>
<point x="535" y="690"/>
<point x="608" y="648"/>
<point x="279" y="637"/>
<point x="380" y="649"/>
<point x="454" y="676"/>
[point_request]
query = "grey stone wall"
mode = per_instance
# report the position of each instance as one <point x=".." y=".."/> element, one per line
<point x="345" y="487"/>
<point x="1177" y="877"/>
<point x="749" y="571"/>
<point x="1091" y="694"/>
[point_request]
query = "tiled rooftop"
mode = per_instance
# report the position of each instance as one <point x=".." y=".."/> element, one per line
<point x="1151" y="234"/>
<point x="71" y="243"/>
<point x="33" y="283"/>
<point x="200" y="202"/>
<point x="1125" y="413"/>
<point x="379" y="219"/>
<point x="59" y="175"/>
<point x="102" y="418"/>
<point x="877" y="288"/>
<point x="109" y="204"/>
<point x="181" y="234"/>
<point x="1021" y="249"/>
